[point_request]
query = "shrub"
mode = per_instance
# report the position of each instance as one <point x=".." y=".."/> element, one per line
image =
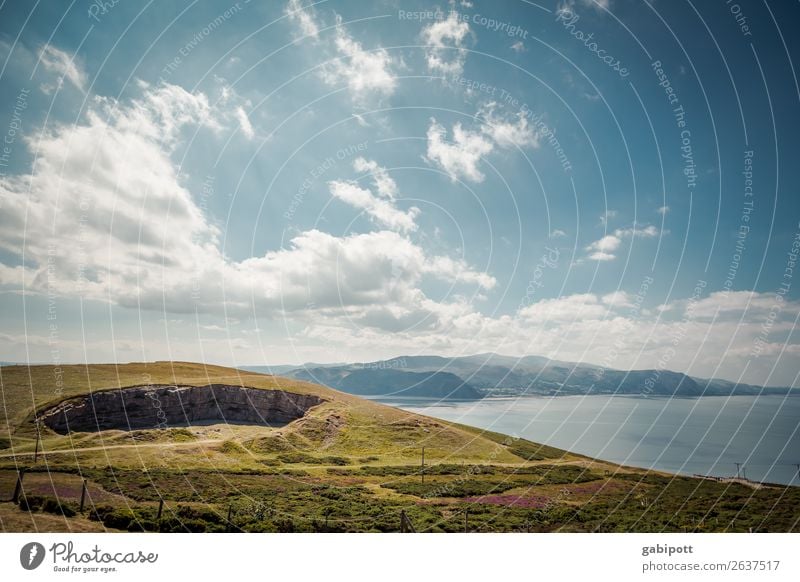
<point x="119" y="519"/>
<point x="336" y="461"/>
<point x="99" y="512"/>
<point x="31" y="502"/>
<point x="57" y="507"/>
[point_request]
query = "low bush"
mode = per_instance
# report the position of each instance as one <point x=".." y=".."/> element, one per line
<point x="52" y="505"/>
<point x="31" y="502"/>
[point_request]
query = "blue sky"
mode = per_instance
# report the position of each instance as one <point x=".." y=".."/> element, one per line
<point x="281" y="182"/>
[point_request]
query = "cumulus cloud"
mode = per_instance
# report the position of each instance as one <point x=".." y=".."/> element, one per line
<point x="460" y="157"/>
<point x="604" y="249"/>
<point x="383" y="211"/>
<point x="606" y="216"/>
<point x="507" y="134"/>
<point x="568" y="6"/>
<point x="617" y="299"/>
<point x="367" y="73"/>
<point x="384" y="183"/>
<point x="598" y="5"/>
<point x="663" y="210"/>
<point x="63" y="64"/>
<point x="647" y="231"/>
<point x="104" y="215"/>
<point x="581" y="306"/>
<point x="445" y="41"/>
<point x="303" y="18"/>
<point x="382" y="207"/>
<point x="103" y="212"/>
<point x="244" y="123"/>
<point x="602" y="330"/>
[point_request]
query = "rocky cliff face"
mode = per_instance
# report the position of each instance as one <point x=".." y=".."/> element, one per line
<point x="143" y="407"/>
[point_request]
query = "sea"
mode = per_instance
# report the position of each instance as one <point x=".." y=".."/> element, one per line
<point x="755" y="437"/>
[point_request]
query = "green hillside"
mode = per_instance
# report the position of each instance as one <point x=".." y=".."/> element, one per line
<point x="348" y="464"/>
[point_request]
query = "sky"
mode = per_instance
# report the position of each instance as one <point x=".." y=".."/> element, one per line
<point x="611" y="182"/>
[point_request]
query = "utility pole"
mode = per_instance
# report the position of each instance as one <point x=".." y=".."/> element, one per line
<point x="744" y="473"/>
<point x="737" y="469"/>
<point x="798" y="470"/>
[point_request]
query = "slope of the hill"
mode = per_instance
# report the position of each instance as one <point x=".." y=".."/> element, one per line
<point x="323" y="460"/>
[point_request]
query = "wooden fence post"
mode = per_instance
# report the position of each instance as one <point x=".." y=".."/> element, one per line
<point x="18" y="486"/>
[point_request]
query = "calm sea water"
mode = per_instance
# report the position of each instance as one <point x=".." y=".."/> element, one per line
<point x="705" y="436"/>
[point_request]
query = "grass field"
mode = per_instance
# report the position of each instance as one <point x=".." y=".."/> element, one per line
<point x="348" y="465"/>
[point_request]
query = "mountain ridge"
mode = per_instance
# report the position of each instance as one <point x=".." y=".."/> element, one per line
<point x="490" y="374"/>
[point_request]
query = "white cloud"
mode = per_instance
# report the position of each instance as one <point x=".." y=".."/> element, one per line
<point x="445" y="39"/>
<point x="457" y="270"/>
<point x="360" y="120"/>
<point x="602" y="256"/>
<point x="604" y="248"/>
<point x="518" y="47"/>
<point x="648" y="231"/>
<point x="598" y="4"/>
<point x="382" y="210"/>
<point x="381" y="207"/>
<point x="103" y="215"/>
<point x="606" y="216"/>
<point x="588" y="328"/>
<point x="618" y="299"/>
<point x="582" y="306"/>
<point x="63" y="64"/>
<point x="558" y="233"/>
<point x="367" y="74"/>
<point x="319" y="269"/>
<point x="302" y="17"/>
<point x="663" y="210"/>
<point x="244" y="123"/>
<point x="384" y="183"/>
<point x="459" y="158"/>
<point x="504" y="133"/>
<point x="568" y="6"/>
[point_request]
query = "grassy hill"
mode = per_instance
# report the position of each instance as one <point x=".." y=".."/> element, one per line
<point x="349" y="464"/>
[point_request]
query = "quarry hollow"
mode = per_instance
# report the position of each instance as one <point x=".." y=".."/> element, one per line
<point x="163" y="406"/>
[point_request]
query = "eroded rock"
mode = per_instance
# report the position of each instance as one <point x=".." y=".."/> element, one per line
<point x="161" y="406"/>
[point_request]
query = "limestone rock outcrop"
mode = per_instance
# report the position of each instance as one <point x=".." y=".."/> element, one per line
<point x="161" y="406"/>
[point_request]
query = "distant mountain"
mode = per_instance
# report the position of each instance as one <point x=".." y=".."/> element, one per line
<point x="281" y="370"/>
<point x="389" y="382"/>
<point x="491" y="374"/>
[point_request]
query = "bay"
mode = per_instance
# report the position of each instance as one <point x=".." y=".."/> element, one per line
<point x="703" y="436"/>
